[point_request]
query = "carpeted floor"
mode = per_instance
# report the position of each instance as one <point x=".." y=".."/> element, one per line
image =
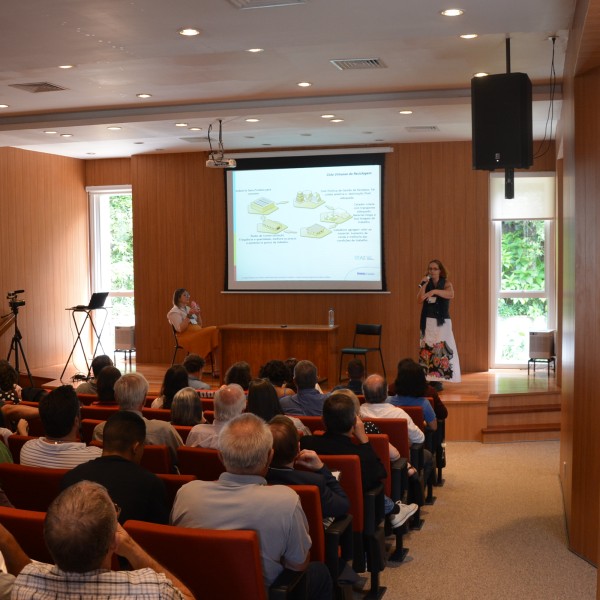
<point x="496" y="531"/>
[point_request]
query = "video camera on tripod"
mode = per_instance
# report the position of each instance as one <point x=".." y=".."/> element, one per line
<point x="13" y="301"/>
<point x="15" y="345"/>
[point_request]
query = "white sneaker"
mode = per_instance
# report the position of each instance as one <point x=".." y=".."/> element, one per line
<point x="406" y="512"/>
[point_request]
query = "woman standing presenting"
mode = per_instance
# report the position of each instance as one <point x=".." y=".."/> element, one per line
<point x="438" y="354"/>
<point x="185" y="318"/>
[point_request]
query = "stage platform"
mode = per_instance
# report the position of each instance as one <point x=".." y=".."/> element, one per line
<point x="471" y="403"/>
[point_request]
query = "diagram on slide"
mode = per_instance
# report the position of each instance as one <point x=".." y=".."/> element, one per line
<point x="337" y="216"/>
<point x="314" y="231"/>
<point x="308" y="199"/>
<point x="262" y="206"/>
<point x="270" y="226"/>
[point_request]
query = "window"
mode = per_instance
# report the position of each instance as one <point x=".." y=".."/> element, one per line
<point x="111" y="242"/>
<point x="523" y="282"/>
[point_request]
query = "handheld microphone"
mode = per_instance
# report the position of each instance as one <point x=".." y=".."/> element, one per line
<point x="424" y="281"/>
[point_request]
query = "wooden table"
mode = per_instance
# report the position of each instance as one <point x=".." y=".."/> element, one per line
<point x="257" y="344"/>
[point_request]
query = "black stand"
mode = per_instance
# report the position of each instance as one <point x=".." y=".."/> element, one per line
<point x="16" y="347"/>
<point x="79" y="329"/>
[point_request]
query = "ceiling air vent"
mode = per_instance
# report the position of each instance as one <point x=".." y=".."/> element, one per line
<point x="36" y="88"/>
<point x="422" y="128"/>
<point x="345" y="64"/>
<point x="246" y="4"/>
<point x="194" y="140"/>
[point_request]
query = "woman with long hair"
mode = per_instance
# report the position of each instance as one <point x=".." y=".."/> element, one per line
<point x="438" y="354"/>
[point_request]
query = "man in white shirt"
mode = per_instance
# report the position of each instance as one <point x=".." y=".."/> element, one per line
<point x="230" y="401"/>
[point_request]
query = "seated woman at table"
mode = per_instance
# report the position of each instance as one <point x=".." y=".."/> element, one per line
<point x="185" y="318"/>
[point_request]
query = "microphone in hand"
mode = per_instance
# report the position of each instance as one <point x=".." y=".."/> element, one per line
<point x="424" y="281"/>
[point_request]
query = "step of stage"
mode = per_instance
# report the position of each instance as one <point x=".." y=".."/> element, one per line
<point x="521" y="433"/>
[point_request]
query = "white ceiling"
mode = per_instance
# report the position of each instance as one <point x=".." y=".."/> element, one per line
<point x="122" y="48"/>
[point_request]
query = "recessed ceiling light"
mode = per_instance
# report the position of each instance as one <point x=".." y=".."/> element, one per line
<point x="91" y="153"/>
<point x="138" y="142"/>
<point x="66" y="66"/>
<point x="51" y="132"/>
<point x="327" y="116"/>
<point x="3" y="105"/>
<point x="304" y="84"/>
<point x="367" y="132"/>
<point x="482" y="74"/>
<point x="255" y="50"/>
<point x="144" y="95"/>
<point x="336" y="121"/>
<point x="468" y="36"/>
<point x="453" y="12"/>
<point x="114" y="128"/>
<point x="405" y="112"/>
<point x="266" y="144"/>
<point x="158" y="149"/>
<point x="195" y="128"/>
<point x="181" y="124"/>
<point x="189" y="31"/>
<point x="66" y="135"/>
<point x="306" y="134"/>
<point x="249" y="137"/>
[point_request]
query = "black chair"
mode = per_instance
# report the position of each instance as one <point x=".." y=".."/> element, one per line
<point x="177" y="346"/>
<point x="365" y="334"/>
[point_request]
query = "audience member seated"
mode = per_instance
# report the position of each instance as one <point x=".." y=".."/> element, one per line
<point x="287" y="455"/>
<point x="441" y="412"/>
<point x="99" y="362"/>
<point x="193" y="364"/>
<point x="59" y="448"/>
<point x="341" y="425"/>
<point x="239" y="373"/>
<point x="263" y="402"/>
<point x="186" y="320"/>
<point x="130" y="392"/>
<point x="141" y="495"/>
<point x="13" y="416"/>
<point x="411" y="387"/>
<point x="279" y="376"/>
<point x="240" y="499"/>
<point x="376" y="406"/>
<point x="187" y="408"/>
<point x="105" y="385"/>
<point x="308" y="400"/>
<point x="10" y="390"/>
<point x="356" y="376"/>
<point x="175" y="379"/>
<point x="82" y="533"/>
<point x="230" y="401"/>
<point x="15" y="560"/>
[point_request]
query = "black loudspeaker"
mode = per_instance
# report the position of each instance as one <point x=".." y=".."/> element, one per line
<point x="502" y="121"/>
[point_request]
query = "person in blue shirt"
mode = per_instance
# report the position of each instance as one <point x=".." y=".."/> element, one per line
<point x="411" y="387"/>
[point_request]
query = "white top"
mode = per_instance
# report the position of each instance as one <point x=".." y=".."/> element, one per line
<point x="57" y="455"/>
<point x="384" y="410"/>
<point x="177" y="315"/>
<point x="205" y="435"/>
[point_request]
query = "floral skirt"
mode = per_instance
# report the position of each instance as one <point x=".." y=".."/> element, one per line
<point x="438" y="354"/>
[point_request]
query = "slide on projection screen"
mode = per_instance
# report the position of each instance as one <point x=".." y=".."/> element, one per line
<point x="305" y="224"/>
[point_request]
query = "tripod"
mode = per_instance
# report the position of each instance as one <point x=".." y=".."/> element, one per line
<point x="16" y="346"/>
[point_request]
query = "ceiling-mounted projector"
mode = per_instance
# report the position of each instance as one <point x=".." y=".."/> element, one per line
<point x="217" y="158"/>
<point x="224" y="163"/>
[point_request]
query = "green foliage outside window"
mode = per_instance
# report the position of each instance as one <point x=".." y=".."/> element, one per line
<point x="121" y="248"/>
<point x="523" y="268"/>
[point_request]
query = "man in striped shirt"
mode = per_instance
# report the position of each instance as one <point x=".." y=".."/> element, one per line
<point x="59" y="448"/>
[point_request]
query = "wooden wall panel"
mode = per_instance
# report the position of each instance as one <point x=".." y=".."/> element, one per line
<point x="43" y="248"/>
<point x="108" y="171"/>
